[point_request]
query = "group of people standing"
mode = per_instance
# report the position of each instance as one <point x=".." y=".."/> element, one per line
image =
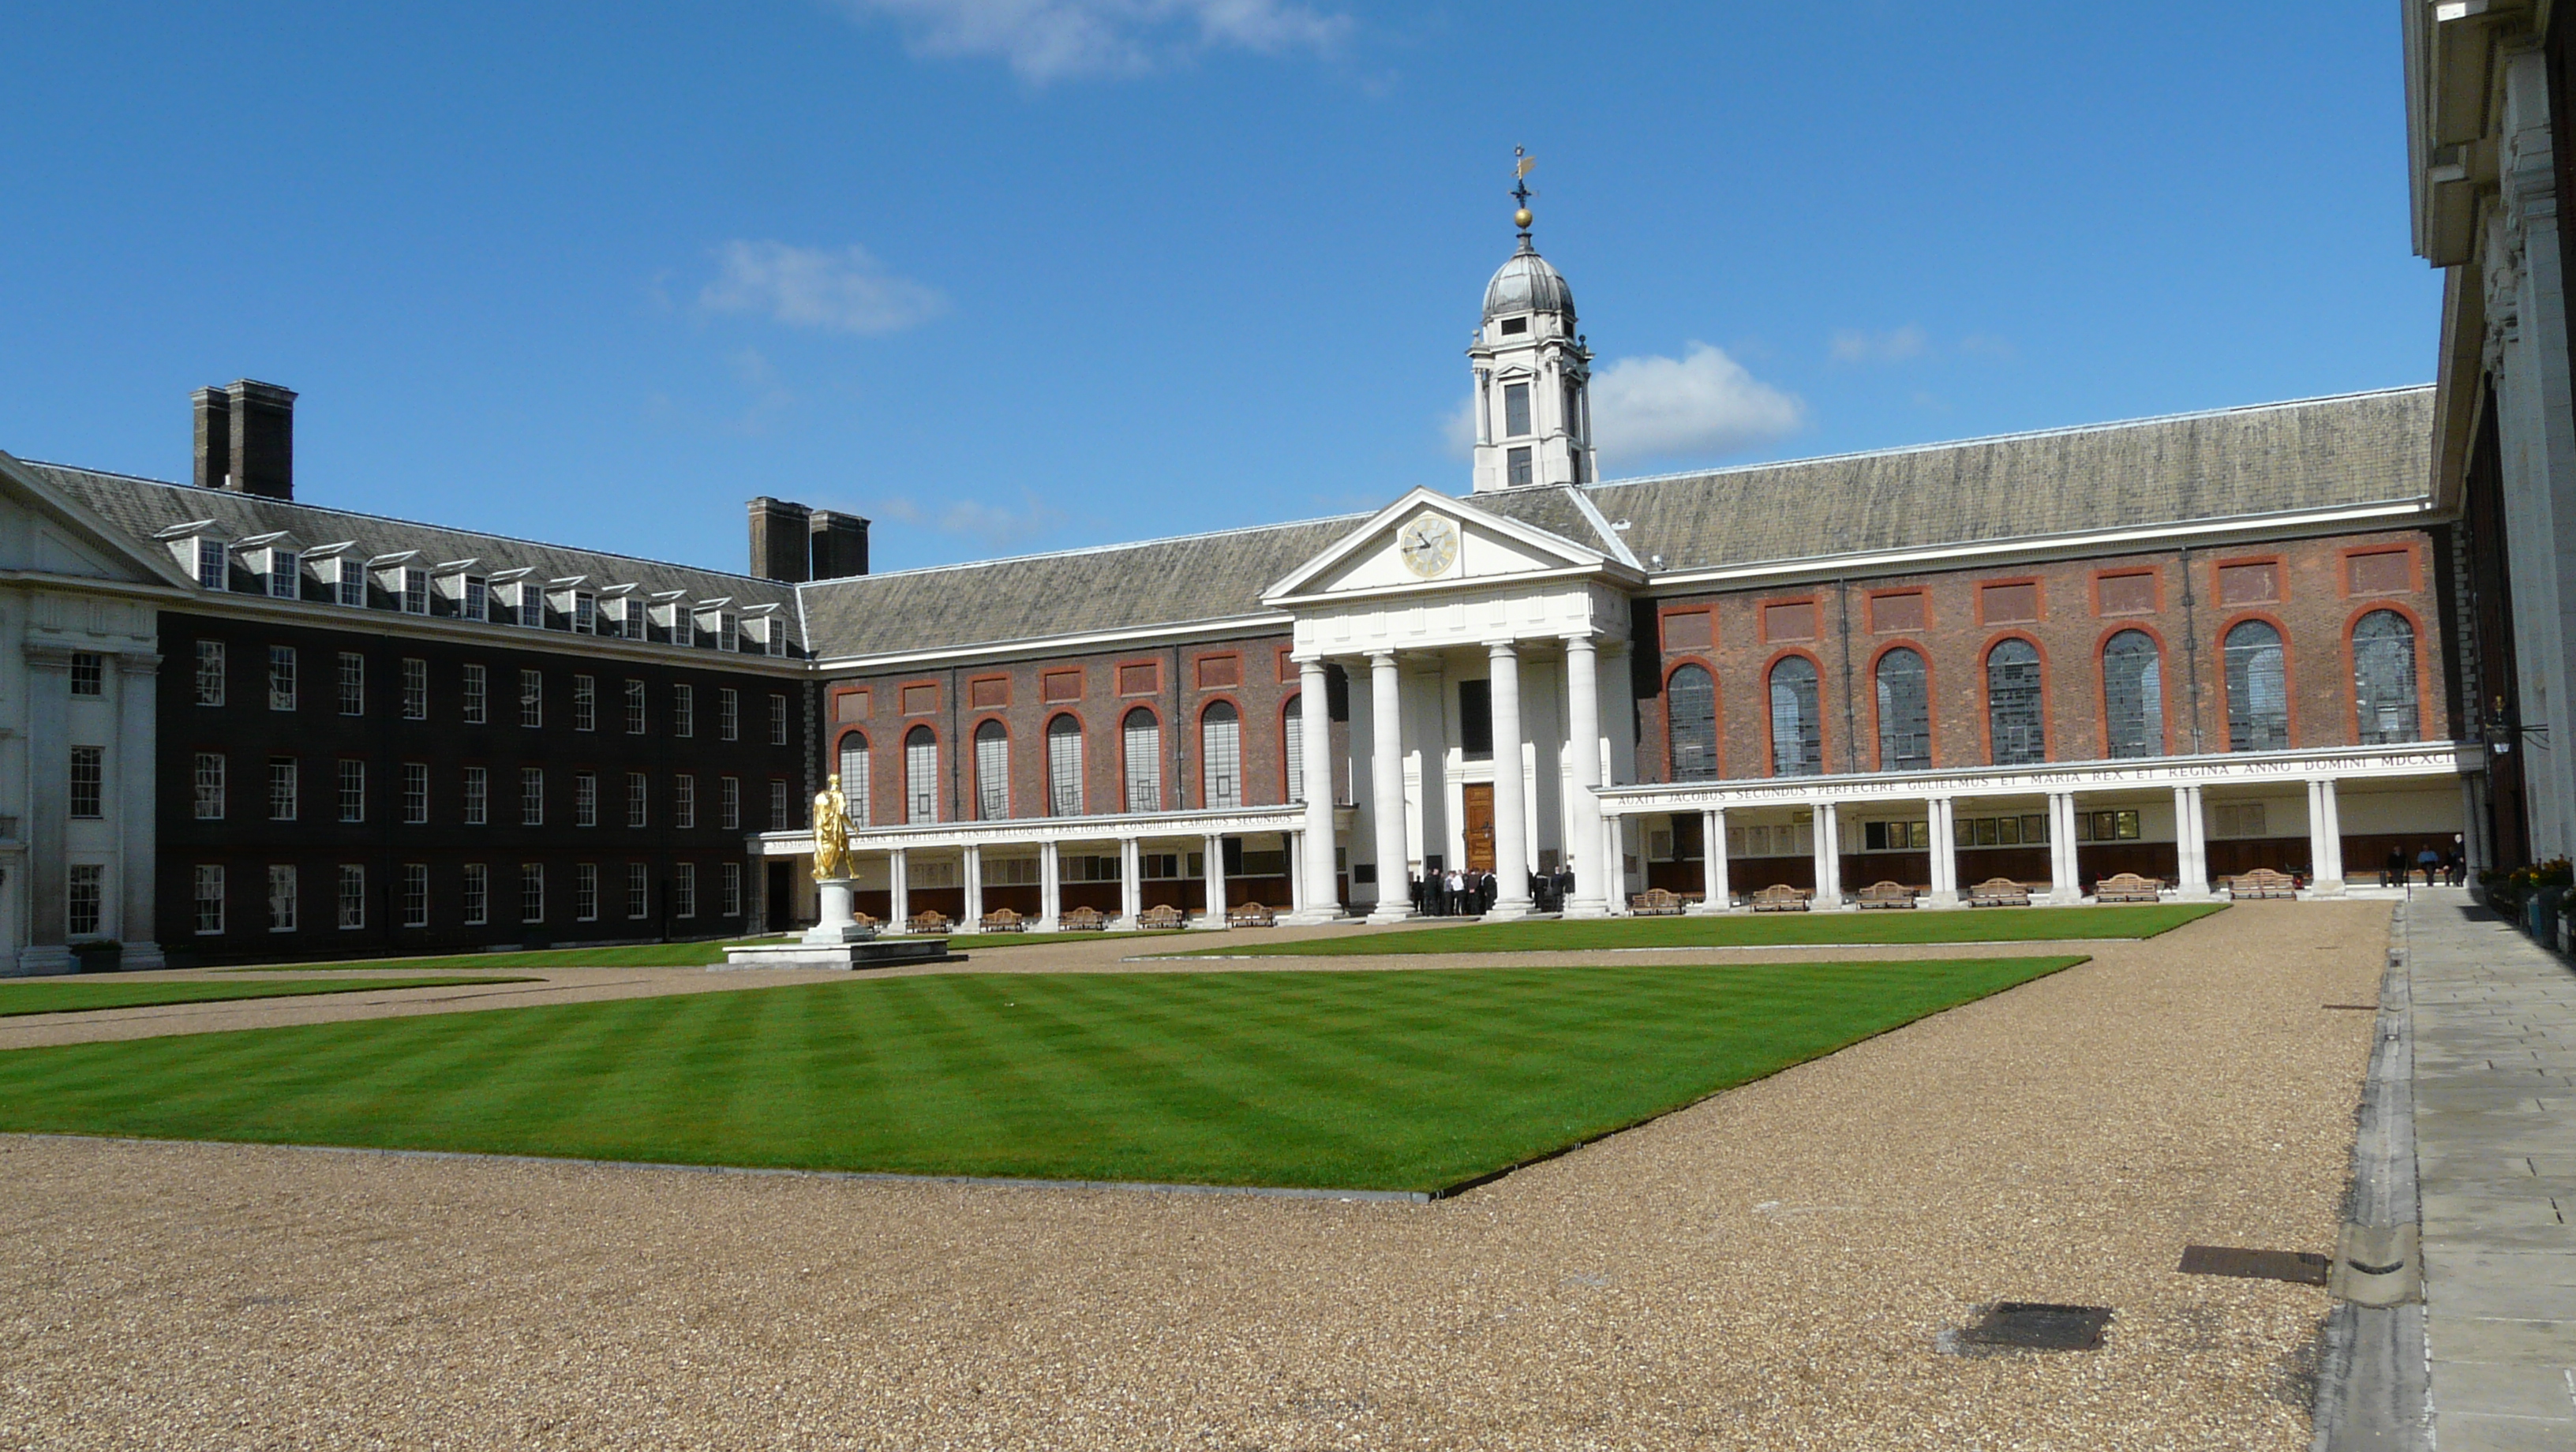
<point x="1466" y="894"/>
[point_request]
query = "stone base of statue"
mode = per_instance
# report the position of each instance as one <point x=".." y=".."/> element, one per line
<point x="840" y="941"/>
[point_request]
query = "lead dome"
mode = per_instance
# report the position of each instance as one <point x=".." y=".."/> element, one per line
<point x="1526" y="284"/>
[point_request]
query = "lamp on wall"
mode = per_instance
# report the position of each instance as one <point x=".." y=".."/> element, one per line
<point x="2501" y="731"/>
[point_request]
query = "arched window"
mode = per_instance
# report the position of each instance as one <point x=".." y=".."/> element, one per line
<point x="921" y="775"/>
<point x="1144" y="751"/>
<point x="1220" y="757"/>
<point x="1690" y="706"/>
<point x="1292" y="742"/>
<point x="1064" y="767"/>
<point x="2258" y="689"/>
<point x="992" y="772"/>
<point x="1904" y="712"/>
<point x="1797" y="740"/>
<point x="854" y="775"/>
<point x="2014" y="724"/>
<point x="2133" y="694"/>
<point x="2383" y="678"/>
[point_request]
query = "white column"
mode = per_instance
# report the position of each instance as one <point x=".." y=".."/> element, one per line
<point x="138" y="862"/>
<point x="2325" y="839"/>
<point x="1596" y="881"/>
<point x="2064" y="885"/>
<point x="971" y="873"/>
<point x="1614" y="861"/>
<point x="2191" y="844"/>
<point x="1314" y="852"/>
<point x="899" y="878"/>
<point x="1131" y="881"/>
<point x="1712" y="868"/>
<point x="1945" y="852"/>
<point x="1511" y="796"/>
<point x="1050" y="889"/>
<point x="2473" y="824"/>
<point x="1297" y="896"/>
<point x="1386" y="773"/>
<point x="48" y="824"/>
<point x="1828" y="844"/>
<point x="1214" y="862"/>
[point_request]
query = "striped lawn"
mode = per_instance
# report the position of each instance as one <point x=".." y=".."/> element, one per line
<point x="1407" y="1080"/>
<point x="702" y="954"/>
<point x="1788" y="930"/>
<point x="79" y="995"/>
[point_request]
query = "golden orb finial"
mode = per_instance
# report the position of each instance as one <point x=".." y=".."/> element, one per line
<point x="1522" y="219"/>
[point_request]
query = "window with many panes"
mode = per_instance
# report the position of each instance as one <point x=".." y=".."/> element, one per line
<point x="1064" y="766"/>
<point x="532" y="796"/>
<point x="210" y="786"/>
<point x="478" y="795"/>
<point x="639" y="885"/>
<point x="2015" y="732"/>
<point x="532" y="892"/>
<point x="634" y="708"/>
<point x="992" y="772"/>
<point x="89" y="781"/>
<point x="1142" y="737"/>
<point x="1797" y="737"/>
<point x="729" y="877"/>
<point x="1292" y="745"/>
<point x="281" y="897"/>
<point x="1904" y="712"/>
<point x="415" y="895"/>
<point x="85" y="899"/>
<point x="284" y="579"/>
<point x="781" y="812"/>
<point x="2258" y="694"/>
<point x="532" y="698"/>
<point x="353" y="791"/>
<point x="728" y="714"/>
<point x="211" y="567"/>
<point x="778" y="720"/>
<point x="415" y="792"/>
<point x="684" y="710"/>
<point x="585" y="703"/>
<point x="1690" y="706"/>
<point x="349" y="584"/>
<point x="2133" y="695"/>
<point x="210" y="673"/>
<point x="729" y="804"/>
<point x="1220" y="757"/>
<point x="415" y="688"/>
<point x="684" y="802"/>
<point x="470" y="695"/>
<point x="920" y="775"/>
<point x="353" y="895"/>
<point x="1516" y="410"/>
<point x="585" y="799"/>
<point x="281" y="788"/>
<point x="474" y="899"/>
<point x="209" y="897"/>
<point x="684" y="890"/>
<point x="636" y="810"/>
<point x="353" y="683"/>
<point x="281" y="678"/>
<point x="585" y="892"/>
<point x="854" y="776"/>
<point x="2383" y="678"/>
<point x="89" y="673"/>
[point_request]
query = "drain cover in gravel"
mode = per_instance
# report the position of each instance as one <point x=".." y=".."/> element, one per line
<point x="2036" y="1326"/>
<point x="2296" y="1266"/>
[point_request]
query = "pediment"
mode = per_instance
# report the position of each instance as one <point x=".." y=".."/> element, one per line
<point x="46" y="530"/>
<point x="1431" y="541"/>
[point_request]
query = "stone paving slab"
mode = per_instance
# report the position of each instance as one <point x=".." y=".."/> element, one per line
<point x="2494" y="1030"/>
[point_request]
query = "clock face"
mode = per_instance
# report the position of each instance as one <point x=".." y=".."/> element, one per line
<point x="1429" y="544"/>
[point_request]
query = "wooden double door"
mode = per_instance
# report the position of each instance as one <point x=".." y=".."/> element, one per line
<point x="1476" y="809"/>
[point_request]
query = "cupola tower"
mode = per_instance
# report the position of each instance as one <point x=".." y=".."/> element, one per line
<point x="1533" y="401"/>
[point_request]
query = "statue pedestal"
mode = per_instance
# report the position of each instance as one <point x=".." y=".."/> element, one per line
<point x="839" y="924"/>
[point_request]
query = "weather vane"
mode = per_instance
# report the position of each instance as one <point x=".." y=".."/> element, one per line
<point x="1522" y="161"/>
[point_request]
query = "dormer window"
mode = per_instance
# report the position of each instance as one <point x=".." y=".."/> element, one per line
<point x="729" y="631"/>
<point x="477" y="599"/>
<point x="349" y="582"/>
<point x="285" y="575"/>
<point x="1516" y="413"/>
<point x="1515" y="325"/>
<point x="415" y="590"/>
<point x="585" y="614"/>
<point x="213" y="564"/>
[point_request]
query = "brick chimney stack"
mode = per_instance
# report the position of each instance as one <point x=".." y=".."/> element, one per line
<point x="779" y="539"/>
<point x="246" y="439"/>
<point x="840" y="545"/>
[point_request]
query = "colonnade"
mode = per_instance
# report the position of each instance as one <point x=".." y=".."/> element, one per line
<point x="1131" y="878"/>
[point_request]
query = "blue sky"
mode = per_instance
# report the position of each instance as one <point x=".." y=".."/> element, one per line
<point x="1009" y="275"/>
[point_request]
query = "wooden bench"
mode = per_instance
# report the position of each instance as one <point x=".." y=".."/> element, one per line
<point x="1162" y="919"/>
<point x="1887" y="895"/>
<point x="928" y="921"/>
<point x="2126" y="887"/>
<point x="863" y="920"/>
<point x="1655" y="902"/>
<point x="1002" y="920"/>
<point x="1083" y="920"/>
<point x="2262" y="882"/>
<point x="1780" y="897"/>
<point x="1999" y="892"/>
<point x="1250" y="915"/>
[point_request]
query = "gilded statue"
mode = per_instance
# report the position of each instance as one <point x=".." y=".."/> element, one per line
<point x="831" y="832"/>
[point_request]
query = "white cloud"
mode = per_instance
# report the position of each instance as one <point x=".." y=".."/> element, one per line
<point x="1987" y="345"/>
<point x="1043" y="40"/>
<point x="996" y="527"/>
<point x="817" y="287"/>
<point x="1700" y="403"/>
<point x="1853" y="346"/>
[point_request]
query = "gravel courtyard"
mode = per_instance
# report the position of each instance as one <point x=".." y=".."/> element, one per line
<point x="1771" y="1268"/>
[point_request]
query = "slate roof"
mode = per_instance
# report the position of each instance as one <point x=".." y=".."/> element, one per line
<point x="143" y="507"/>
<point x="2233" y="463"/>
